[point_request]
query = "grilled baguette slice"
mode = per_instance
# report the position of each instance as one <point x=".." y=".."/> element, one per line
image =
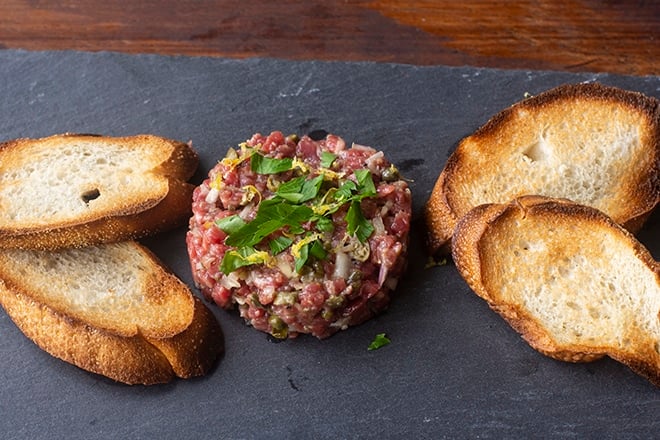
<point x="77" y="190"/>
<point x="111" y="309"/>
<point x="571" y="281"/>
<point x="595" y="145"/>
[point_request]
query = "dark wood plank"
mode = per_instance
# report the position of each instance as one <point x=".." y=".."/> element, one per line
<point x="571" y="35"/>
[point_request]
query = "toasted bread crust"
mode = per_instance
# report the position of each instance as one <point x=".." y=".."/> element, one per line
<point x="171" y="212"/>
<point x="167" y="333"/>
<point x="454" y="192"/>
<point x="194" y="351"/>
<point x="131" y="360"/>
<point x="93" y="285"/>
<point x="477" y="263"/>
<point x="164" y="207"/>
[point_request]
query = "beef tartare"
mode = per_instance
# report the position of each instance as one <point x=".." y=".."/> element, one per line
<point x="301" y="235"/>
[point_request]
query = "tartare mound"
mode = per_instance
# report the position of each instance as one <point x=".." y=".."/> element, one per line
<point x="302" y="235"/>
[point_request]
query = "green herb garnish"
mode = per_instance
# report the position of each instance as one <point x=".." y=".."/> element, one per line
<point x="327" y="158"/>
<point x="309" y="245"/>
<point x="366" y="182"/>
<point x="230" y="224"/>
<point x="296" y="206"/>
<point x="279" y="244"/>
<point x="301" y="256"/>
<point x="317" y="250"/>
<point x="345" y="191"/>
<point x="356" y="224"/>
<point x="268" y="165"/>
<point x="300" y="190"/>
<point x="324" y="224"/>
<point x="273" y="214"/>
<point x="379" y="341"/>
<point x="245" y="256"/>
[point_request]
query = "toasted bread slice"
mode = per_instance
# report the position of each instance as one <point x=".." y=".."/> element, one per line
<point x="574" y="283"/>
<point x="112" y="309"/>
<point x="78" y="190"/>
<point x="596" y="145"/>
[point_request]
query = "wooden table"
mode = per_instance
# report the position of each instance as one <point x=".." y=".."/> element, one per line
<point x="568" y="35"/>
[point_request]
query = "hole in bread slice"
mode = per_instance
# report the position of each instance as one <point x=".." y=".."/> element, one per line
<point x="90" y="195"/>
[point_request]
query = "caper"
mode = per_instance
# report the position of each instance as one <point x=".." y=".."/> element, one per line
<point x="286" y="298"/>
<point x="355" y="280"/>
<point x="254" y="299"/>
<point x="334" y="301"/>
<point x="279" y="328"/>
<point x="355" y="277"/>
<point x="280" y="334"/>
<point x="390" y="174"/>
<point x="292" y="138"/>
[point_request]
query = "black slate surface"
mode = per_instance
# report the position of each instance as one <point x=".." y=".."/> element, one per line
<point x="454" y="369"/>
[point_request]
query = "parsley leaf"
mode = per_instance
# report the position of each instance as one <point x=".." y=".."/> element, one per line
<point x="230" y="224"/>
<point x="268" y="165"/>
<point x="317" y="250"/>
<point x="357" y="224"/>
<point x="273" y="214"/>
<point x="379" y="341"/>
<point x="300" y="190"/>
<point x="345" y="191"/>
<point x="366" y="183"/>
<point x="324" y="224"/>
<point x="246" y="256"/>
<point x="253" y="232"/>
<point x="310" y="245"/>
<point x="292" y="187"/>
<point x="279" y="244"/>
<point x="302" y="256"/>
<point x="327" y="158"/>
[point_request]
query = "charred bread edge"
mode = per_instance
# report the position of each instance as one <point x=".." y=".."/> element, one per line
<point x="153" y="216"/>
<point x="469" y="264"/>
<point x="437" y="211"/>
<point x="164" y="216"/>
<point x="130" y="360"/>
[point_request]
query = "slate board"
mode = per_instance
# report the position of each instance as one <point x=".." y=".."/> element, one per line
<point x="454" y="369"/>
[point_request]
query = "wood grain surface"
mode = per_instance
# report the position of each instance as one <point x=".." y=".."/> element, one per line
<point x="570" y="35"/>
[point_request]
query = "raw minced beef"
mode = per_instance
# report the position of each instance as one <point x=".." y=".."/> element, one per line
<point x="301" y="235"/>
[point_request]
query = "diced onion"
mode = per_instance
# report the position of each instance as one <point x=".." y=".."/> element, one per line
<point x="379" y="226"/>
<point x="382" y="275"/>
<point x="212" y="196"/>
<point x="230" y="281"/>
<point x="342" y="265"/>
<point x="371" y="161"/>
<point x="285" y="267"/>
<point x="247" y="213"/>
<point x="341" y="323"/>
<point x="360" y="147"/>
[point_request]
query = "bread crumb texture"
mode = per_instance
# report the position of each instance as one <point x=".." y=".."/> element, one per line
<point x="112" y="287"/>
<point x="78" y="176"/>
<point x="584" y="286"/>
<point x="589" y="154"/>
